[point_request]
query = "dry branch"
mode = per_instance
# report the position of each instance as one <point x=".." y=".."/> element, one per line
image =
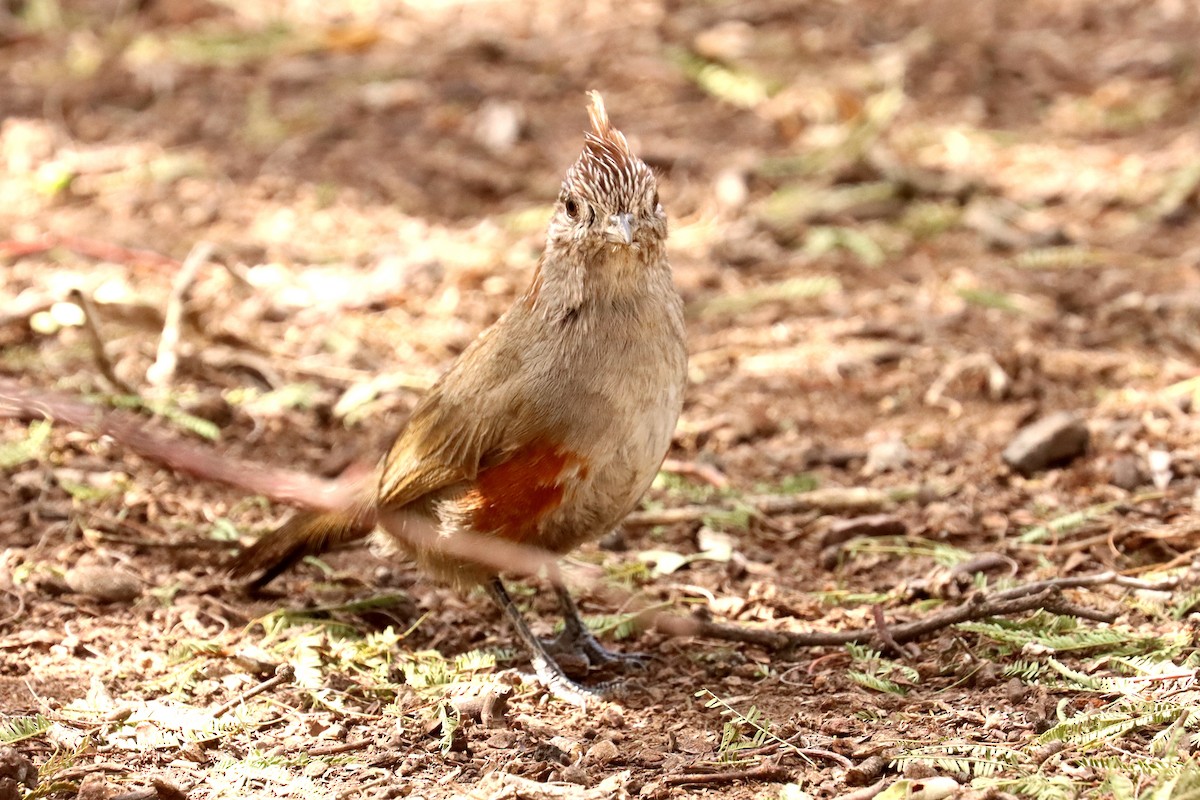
<point x="91" y="326"/>
<point x="1038" y="595"/>
<point x="162" y="371"/>
<point x="284" y="673"/>
<point x="766" y="772"/>
<point x="832" y="500"/>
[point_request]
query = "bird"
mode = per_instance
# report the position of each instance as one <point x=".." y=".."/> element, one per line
<point x="548" y="428"/>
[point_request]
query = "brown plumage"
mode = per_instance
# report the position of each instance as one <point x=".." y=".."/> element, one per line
<point x="550" y="426"/>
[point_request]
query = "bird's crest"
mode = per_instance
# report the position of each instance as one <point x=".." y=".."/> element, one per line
<point x="607" y="167"/>
<point x="603" y="133"/>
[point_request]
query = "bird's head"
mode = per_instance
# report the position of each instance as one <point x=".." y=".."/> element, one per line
<point x="609" y="198"/>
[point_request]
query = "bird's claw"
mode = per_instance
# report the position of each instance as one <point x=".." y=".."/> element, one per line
<point x="585" y="649"/>
<point x="564" y="688"/>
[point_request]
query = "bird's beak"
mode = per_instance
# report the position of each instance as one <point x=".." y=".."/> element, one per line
<point x="620" y="228"/>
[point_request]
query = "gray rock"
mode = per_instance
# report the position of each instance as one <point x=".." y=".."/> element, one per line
<point x="844" y="530"/>
<point x="1127" y="473"/>
<point x="106" y="584"/>
<point x="1051" y="441"/>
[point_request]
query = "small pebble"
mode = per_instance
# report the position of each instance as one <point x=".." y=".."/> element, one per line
<point x="573" y="773"/>
<point x="1160" y="468"/>
<point x="612" y="717"/>
<point x="93" y="787"/>
<point x="844" y="530"/>
<point x="1126" y="472"/>
<point x="1051" y="441"/>
<point x="891" y="455"/>
<point x="106" y="584"/>
<point x="866" y="771"/>
<point x="602" y="752"/>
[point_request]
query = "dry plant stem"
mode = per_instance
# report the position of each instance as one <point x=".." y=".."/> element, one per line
<point x="336" y="749"/>
<point x="1016" y="601"/>
<point x="514" y="787"/>
<point x="808" y="752"/>
<point x="162" y="371"/>
<point x="284" y="673"/>
<point x="87" y="769"/>
<point x="283" y="485"/>
<point x="765" y="772"/>
<point x="1095" y="579"/>
<point x="364" y="788"/>
<point x="854" y="499"/>
<point x="828" y="755"/>
<point x="117" y="531"/>
<point x="883" y="633"/>
<point x="698" y="470"/>
<point x="147" y="543"/>
<point x="96" y="341"/>
<point x="16" y="615"/>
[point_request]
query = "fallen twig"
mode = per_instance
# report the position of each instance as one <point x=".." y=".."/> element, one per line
<point x="19" y="613"/>
<point x="884" y="634"/>
<point x="764" y="772"/>
<point x="337" y="749"/>
<point x="807" y="752"/>
<point x="832" y="500"/>
<point x="137" y="794"/>
<point x="505" y="786"/>
<point x="96" y="341"/>
<point x="284" y="673"/>
<point x="1094" y="579"/>
<point x="696" y="469"/>
<point x="1040" y="595"/>
<point x="365" y="787"/>
<point x="87" y="769"/>
<point x="162" y="371"/>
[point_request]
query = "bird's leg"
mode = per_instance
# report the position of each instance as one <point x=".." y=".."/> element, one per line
<point x="579" y="641"/>
<point x="544" y="665"/>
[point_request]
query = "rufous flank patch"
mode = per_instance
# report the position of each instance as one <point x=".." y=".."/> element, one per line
<point x="511" y="498"/>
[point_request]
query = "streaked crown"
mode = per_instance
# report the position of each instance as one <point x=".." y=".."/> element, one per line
<point x="607" y="174"/>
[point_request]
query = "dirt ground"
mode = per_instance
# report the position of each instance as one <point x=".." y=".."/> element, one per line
<point x="903" y="230"/>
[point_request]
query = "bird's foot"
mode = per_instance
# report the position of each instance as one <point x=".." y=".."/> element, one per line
<point x="566" y="689"/>
<point x="581" y="647"/>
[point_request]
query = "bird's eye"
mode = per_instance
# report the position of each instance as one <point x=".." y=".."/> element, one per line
<point x="572" y="208"/>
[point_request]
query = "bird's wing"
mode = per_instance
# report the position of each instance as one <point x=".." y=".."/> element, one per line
<point x="474" y="418"/>
<point x="441" y="446"/>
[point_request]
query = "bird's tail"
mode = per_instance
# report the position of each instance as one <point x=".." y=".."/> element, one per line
<point x="306" y="533"/>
